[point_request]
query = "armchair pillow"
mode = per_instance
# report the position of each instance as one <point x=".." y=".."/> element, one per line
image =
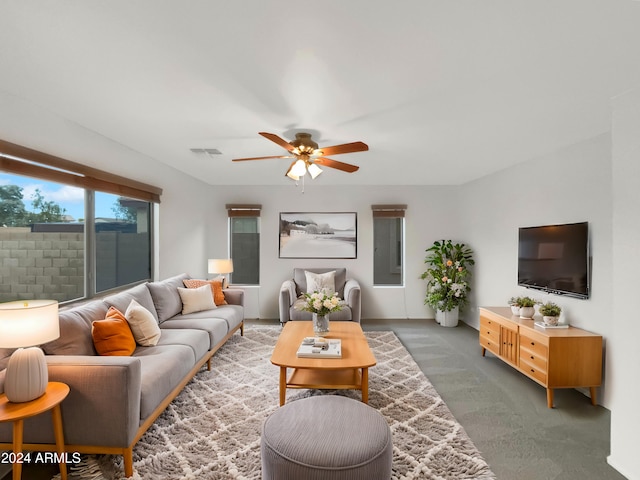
<point x="317" y="282"/>
<point x="300" y="278"/>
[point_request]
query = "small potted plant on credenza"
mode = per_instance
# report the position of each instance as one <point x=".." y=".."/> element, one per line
<point x="527" y="307"/>
<point x="550" y="313"/>
<point x="515" y="305"/>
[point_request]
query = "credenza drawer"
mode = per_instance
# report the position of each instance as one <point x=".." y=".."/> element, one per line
<point x="491" y="343"/>
<point x="533" y="371"/>
<point x="534" y="359"/>
<point x="490" y="328"/>
<point x="534" y="345"/>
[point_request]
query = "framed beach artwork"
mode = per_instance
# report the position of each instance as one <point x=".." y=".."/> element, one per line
<point x="318" y="235"/>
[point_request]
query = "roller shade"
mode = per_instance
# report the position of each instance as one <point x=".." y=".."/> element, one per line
<point x="393" y="211"/>
<point x="240" y="210"/>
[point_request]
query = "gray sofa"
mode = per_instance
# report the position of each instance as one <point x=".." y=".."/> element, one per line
<point x="291" y="290"/>
<point x="115" y="399"/>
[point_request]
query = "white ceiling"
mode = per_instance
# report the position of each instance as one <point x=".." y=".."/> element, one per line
<point x="442" y="91"/>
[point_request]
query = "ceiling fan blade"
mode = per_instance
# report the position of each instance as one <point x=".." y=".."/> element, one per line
<point x="345" y="148"/>
<point x="276" y="139"/>
<point x="327" y="162"/>
<point x="260" y="158"/>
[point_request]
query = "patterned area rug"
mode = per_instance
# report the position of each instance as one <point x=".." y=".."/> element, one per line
<point x="212" y="429"/>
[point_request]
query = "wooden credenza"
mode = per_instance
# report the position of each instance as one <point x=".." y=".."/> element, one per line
<point x="555" y="358"/>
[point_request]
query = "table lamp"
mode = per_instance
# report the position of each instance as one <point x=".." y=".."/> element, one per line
<point x="26" y="323"/>
<point x="221" y="266"/>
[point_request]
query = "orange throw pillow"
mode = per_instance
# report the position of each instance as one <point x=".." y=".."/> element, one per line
<point x="113" y="336"/>
<point x="216" y="289"/>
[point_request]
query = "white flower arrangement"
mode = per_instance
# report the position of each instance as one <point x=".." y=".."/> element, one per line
<point x="448" y="274"/>
<point x="323" y="302"/>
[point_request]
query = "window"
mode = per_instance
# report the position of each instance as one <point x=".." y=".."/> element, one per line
<point x="122" y="240"/>
<point x="244" y="243"/>
<point x="42" y="241"/>
<point x="65" y="242"/>
<point x="388" y="245"/>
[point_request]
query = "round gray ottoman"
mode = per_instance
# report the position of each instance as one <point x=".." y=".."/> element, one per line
<point x="326" y="437"/>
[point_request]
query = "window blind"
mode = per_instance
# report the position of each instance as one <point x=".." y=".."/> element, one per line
<point x="394" y="211"/>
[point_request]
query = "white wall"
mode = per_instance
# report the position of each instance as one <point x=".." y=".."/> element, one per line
<point x="570" y="185"/>
<point x="428" y="217"/>
<point x="625" y="354"/>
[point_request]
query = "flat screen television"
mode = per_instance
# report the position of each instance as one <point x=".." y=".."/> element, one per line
<point x="555" y="259"/>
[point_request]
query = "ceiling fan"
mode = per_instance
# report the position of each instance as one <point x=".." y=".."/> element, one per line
<point x="308" y="156"/>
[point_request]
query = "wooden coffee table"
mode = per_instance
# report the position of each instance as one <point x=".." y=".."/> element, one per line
<point x="351" y="372"/>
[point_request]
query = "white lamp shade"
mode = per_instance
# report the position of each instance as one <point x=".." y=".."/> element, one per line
<point x="220" y="265"/>
<point x="314" y="170"/>
<point x="26" y="323"/>
<point x="299" y="168"/>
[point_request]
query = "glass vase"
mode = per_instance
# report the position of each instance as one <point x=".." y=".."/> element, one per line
<point x="320" y="325"/>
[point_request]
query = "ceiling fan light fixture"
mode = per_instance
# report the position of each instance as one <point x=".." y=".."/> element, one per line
<point x="314" y="170"/>
<point x="299" y="168"/>
<point x="308" y="155"/>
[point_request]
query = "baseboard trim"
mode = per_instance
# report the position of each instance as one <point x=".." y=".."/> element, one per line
<point x="630" y="475"/>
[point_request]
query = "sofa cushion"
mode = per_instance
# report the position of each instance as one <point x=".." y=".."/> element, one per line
<point x="143" y="325"/>
<point x="216" y="328"/>
<point x="112" y="336"/>
<point x="216" y="288"/>
<point x="162" y="369"/>
<point x="196" y="299"/>
<point x="139" y="293"/>
<point x="197" y="340"/>
<point x="165" y="296"/>
<point x="75" y="330"/>
<point x="233" y="315"/>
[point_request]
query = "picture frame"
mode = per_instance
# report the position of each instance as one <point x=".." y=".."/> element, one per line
<point x="318" y="235"/>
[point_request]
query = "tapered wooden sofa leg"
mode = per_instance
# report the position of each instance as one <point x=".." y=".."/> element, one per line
<point x="128" y="462"/>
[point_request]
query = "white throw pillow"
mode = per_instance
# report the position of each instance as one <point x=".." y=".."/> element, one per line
<point x="143" y="325"/>
<point x="196" y="299"/>
<point x="317" y="282"/>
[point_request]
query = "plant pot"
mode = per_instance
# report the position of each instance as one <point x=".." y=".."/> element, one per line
<point x="448" y="318"/>
<point x="550" y="321"/>
<point x="320" y="325"/>
<point x="527" y="312"/>
<point x="515" y="310"/>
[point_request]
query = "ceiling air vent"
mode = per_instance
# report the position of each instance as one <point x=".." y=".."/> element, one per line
<point x="208" y="151"/>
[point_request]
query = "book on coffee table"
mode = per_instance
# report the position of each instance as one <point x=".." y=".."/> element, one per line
<point x="331" y="349"/>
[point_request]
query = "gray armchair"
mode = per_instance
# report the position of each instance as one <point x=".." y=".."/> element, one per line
<point x="291" y="290"/>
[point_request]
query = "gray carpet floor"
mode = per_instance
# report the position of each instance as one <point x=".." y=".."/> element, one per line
<point x="503" y="412"/>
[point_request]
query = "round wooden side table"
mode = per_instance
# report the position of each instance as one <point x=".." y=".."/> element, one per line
<point x="55" y="393"/>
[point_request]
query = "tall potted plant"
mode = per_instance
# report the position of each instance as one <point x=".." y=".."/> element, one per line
<point x="447" y="278"/>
